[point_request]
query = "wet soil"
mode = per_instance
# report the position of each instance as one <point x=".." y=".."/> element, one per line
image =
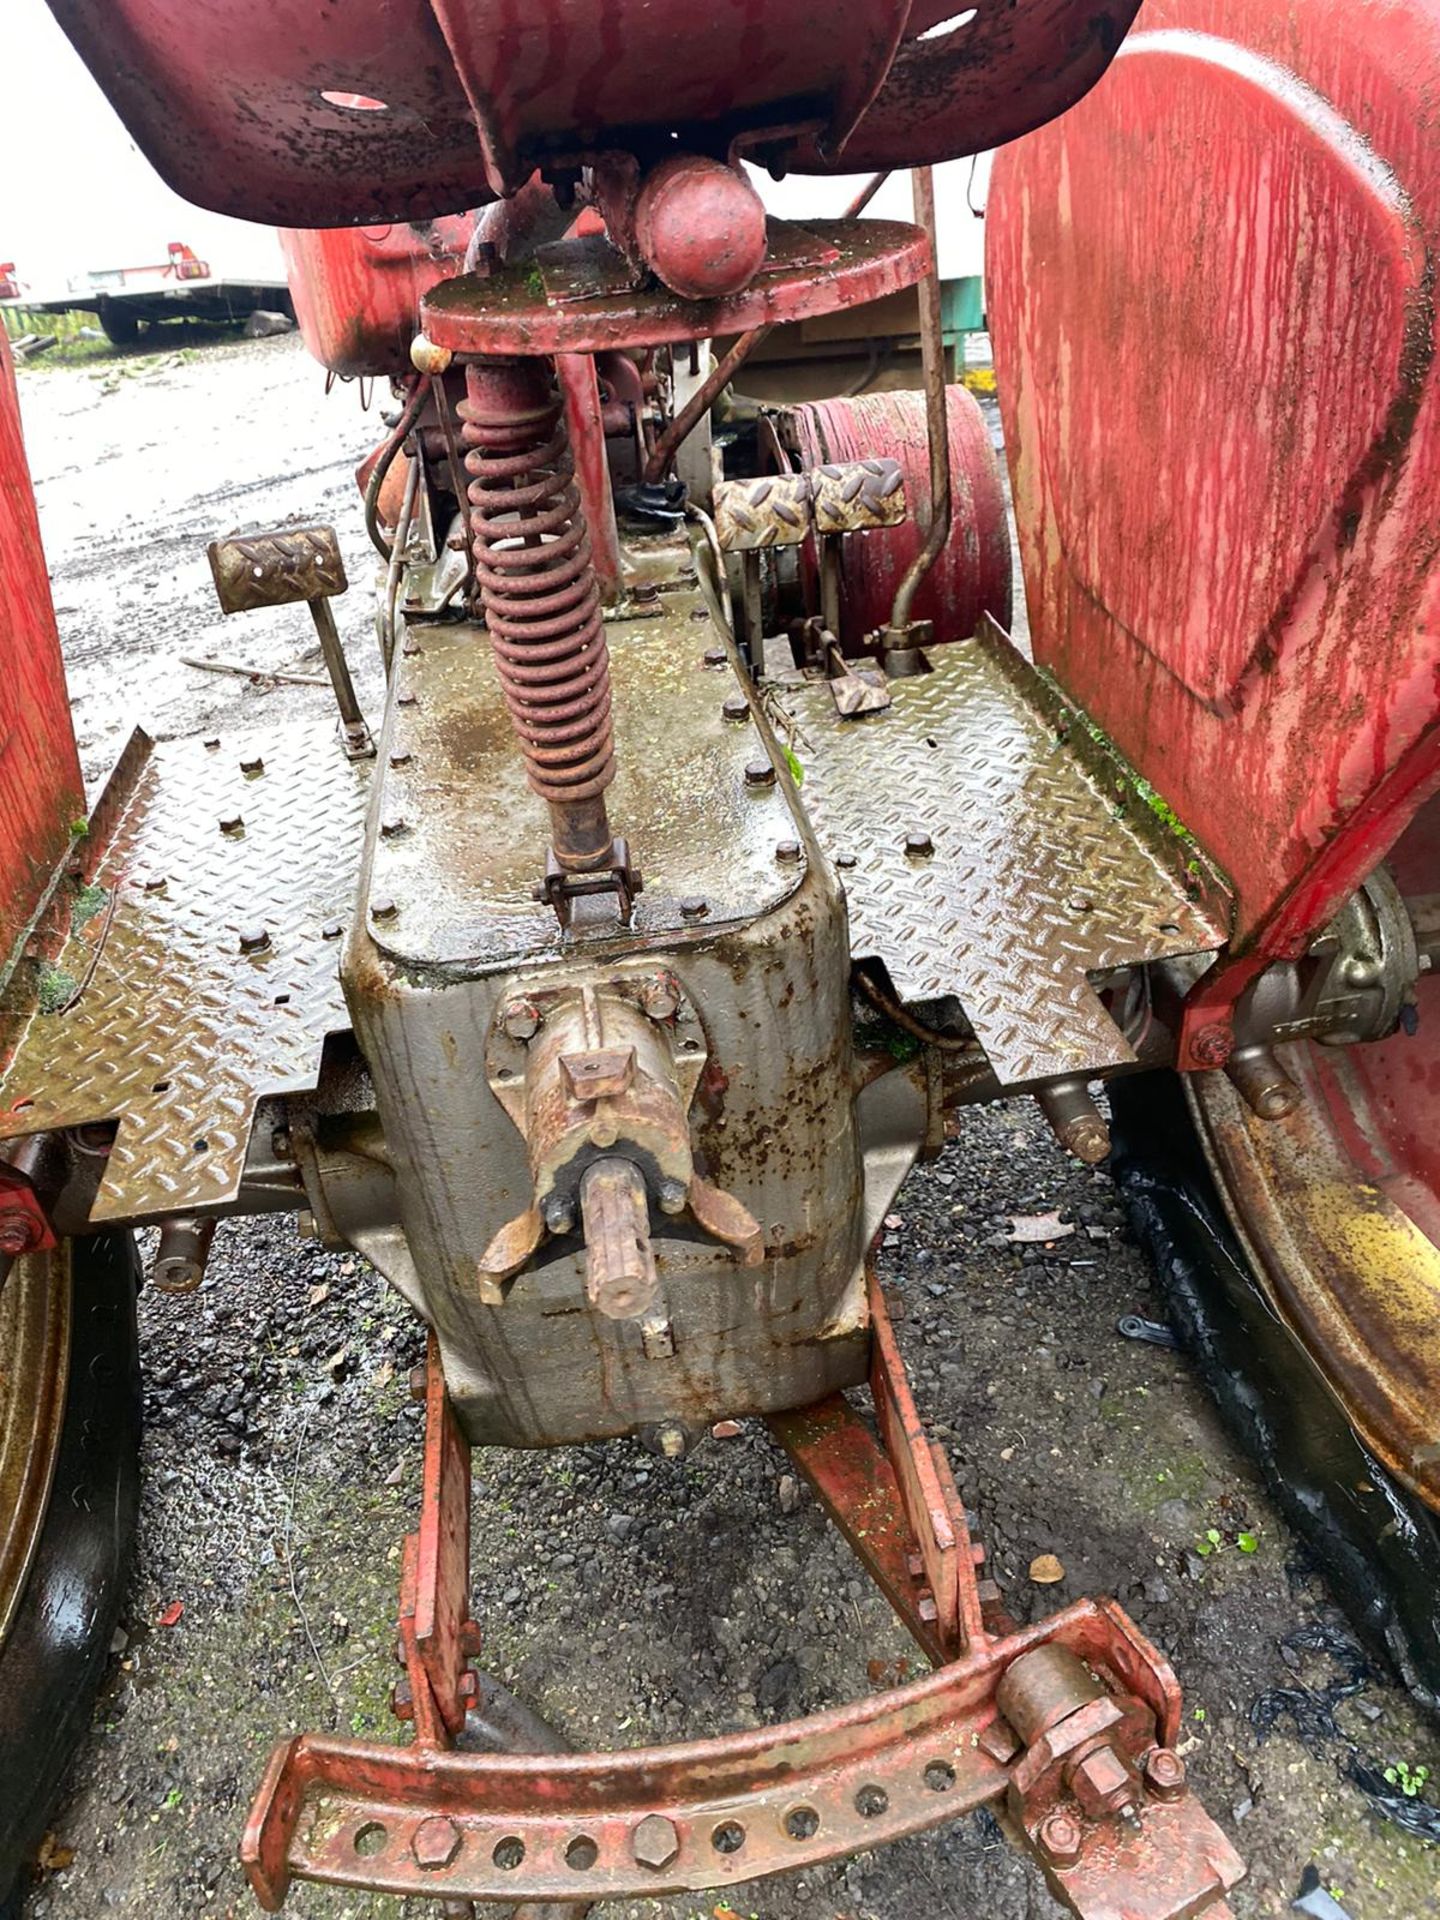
<point x="626" y="1598"/>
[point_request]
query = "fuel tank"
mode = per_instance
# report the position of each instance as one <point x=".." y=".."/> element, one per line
<point x="381" y="110"/>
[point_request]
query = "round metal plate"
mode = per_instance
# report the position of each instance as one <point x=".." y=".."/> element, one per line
<point x="578" y="296"/>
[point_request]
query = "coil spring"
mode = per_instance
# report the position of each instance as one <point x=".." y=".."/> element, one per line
<point x="537" y="584"/>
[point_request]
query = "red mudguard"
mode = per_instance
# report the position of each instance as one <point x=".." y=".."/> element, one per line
<point x="41" y="793"/>
<point x="1211" y="302"/>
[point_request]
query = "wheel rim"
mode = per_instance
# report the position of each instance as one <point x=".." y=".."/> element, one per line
<point x="35" y="1307"/>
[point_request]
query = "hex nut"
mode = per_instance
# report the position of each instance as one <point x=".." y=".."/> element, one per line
<point x="252" y="764"/>
<point x="694" y="908"/>
<point x="1164" y="1773"/>
<point x="759" y="773"/>
<point x="232" y="822"/>
<point x="1102" y="1782"/>
<point x="736" y="707"/>
<point x="1059" y="1839"/>
<point x="436" y="1843"/>
<point x="714" y="656"/>
<point x="918" y="842"/>
<point x="17" y="1234"/>
<point x="656" y="1842"/>
<point x="521" y="1020"/>
<point x="393" y="825"/>
<point x="253" y="939"/>
<point x="788" y="851"/>
<point x="383" y="909"/>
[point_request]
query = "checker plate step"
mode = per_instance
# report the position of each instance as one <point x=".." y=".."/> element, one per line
<point x="171" y="1028"/>
<point x="1036" y="879"/>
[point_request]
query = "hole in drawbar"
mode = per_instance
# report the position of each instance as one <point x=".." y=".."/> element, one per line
<point x="352" y="103"/>
<point x="943" y="28"/>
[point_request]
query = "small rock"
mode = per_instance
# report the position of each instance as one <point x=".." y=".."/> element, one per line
<point x="789" y="1493"/>
<point x="1046" y="1569"/>
<point x="726" y="1430"/>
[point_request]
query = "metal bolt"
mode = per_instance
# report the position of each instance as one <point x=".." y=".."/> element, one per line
<point x="558" y="1213"/>
<point x="846" y="860"/>
<point x="383" y="909"/>
<point x="736" y="707"/>
<point x="788" y="850"/>
<point x="1102" y="1782"/>
<point x="674" y="1196"/>
<point x="232" y="823"/>
<point x="155" y="882"/>
<point x="1164" y="1773"/>
<point x="1212" y="1046"/>
<point x="412" y="647"/>
<point x="436" y="1843"/>
<point x="253" y="939"/>
<point x="408" y="700"/>
<point x="1059" y="1839"/>
<point x="694" y="908"/>
<point x="401" y="759"/>
<point x="331" y="930"/>
<point x="714" y="656"/>
<point x="253" y="765"/>
<point x="18" y="1233"/>
<point x="660" y="996"/>
<point x="212" y="742"/>
<point x="393" y="825"/>
<point x="759" y="773"/>
<point x="918" y="842"/>
<point x="656" y="1842"/>
<point x="521" y="1020"/>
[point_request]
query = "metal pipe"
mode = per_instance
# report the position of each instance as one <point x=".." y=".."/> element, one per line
<point x="700" y="403"/>
<point x="937" y="417"/>
<point x="866" y="194"/>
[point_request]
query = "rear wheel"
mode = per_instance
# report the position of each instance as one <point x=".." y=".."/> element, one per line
<point x="120" y="324"/>
<point x="69" y="1481"/>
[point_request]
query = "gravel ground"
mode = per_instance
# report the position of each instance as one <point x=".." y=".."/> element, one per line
<point x="625" y="1598"/>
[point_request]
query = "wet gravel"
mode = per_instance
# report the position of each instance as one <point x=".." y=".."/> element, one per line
<point x="626" y="1598"/>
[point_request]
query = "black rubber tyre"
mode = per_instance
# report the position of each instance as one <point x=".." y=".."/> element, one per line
<point x="53" y="1656"/>
<point x="119" y="324"/>
<point x="1380" y="1546"/>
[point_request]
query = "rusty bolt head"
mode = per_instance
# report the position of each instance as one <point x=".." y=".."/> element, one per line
<point x="759" y="773"/>
<point x="1212" y="1046"/>
<point x="521" y="1020"/>
<point x="232" y="822"/>
<point x="1164" y="1773"/>
<point x="846" y="860"/>
<point x="558" y="1213"/>
<point x="674" y="1196"/>
<point x="383" y="909"/>
<point x="408" y="700"/>
<point x="656" y="1842"/>
<point x="400" y="759"/>
<point x="1102" y="1782"/>
<point x="736" y="707"/>
<point x="788" y="851"/>
<point x="252" y="764"/>
<point x="1060" y="1839"/>
<point x="660" y="996"/>
<point x="918" y="842"/>
<point x="694" y="908"/>
<point x="155" y="883"/>
<point x="393" y="825"/>
<point x="436" y="1843"/>
<point x="714" y="656"/>
<point x="419" y="1383"/>
<point x="331" y="930"/>
<point x="18" y="1233"/>
<point x="254" y="939"/>
<point x="212" y="742"/>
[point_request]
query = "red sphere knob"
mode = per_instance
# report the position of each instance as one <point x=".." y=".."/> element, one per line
<point x="700" y="226"/>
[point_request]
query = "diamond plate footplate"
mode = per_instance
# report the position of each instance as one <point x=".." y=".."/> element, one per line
<point x="179" y="1031"/>
<point x="1032" y="882"/>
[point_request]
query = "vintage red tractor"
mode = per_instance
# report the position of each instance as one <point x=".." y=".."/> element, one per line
<point x="717" y="846"/>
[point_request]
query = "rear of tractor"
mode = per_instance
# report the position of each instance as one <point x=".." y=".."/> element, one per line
<point x="717" y="846"/>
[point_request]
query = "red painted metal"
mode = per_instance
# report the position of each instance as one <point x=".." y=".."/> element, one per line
<point x="1210" y="300"/>
<point x="986" y="1726"/>
<point x="578" y="296"/>
<point x="280" y="111"/>
<point x="973" y="573"/>
<point x="357" y="290"/>
<point x="41" y="792"/>
<point x="24" y="1225"/>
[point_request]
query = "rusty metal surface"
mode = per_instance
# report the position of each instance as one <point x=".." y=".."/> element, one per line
<point x="209" y="979"/>
<point x="1327" y="1213"/>
<point x="1032" y="882"/>
<point x="35" y="1310"/>
<point x="41" y="792"/>
<point x="396" y="109"/>
<point x="578" y="296"/>
<point x="275" y="569"/>
<point x="1257" y="622"/>
<point x="700" y="832"/>
<point x="774" y="511"/>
